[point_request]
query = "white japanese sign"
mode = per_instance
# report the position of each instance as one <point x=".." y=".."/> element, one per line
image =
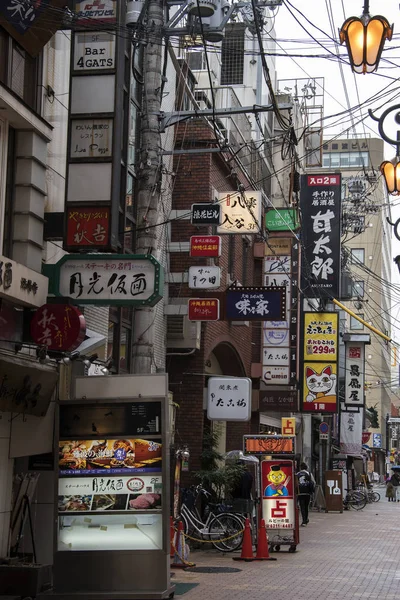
<point x="94" y="50"/>
<point x="108" y="279"/>
<point x="204" y="278"/>
<point x="240" y="212"/>
<point x="276" y="356"/>
<point x="229" y="399"/>
<point x="91" y="138"/>
<point x="354" y="380"/>
<point x="275" y="337"/>
<point x="105" y="11"/>
<point x="277" y="264"/>
<point x="351" y="426"/>
<point x="22" y="285"/>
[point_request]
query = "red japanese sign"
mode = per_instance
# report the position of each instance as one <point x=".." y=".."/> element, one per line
<point x="58" y="326"/>
<point x="205" y="245"/>
<point x="88" y="227"/>
<point x="203" y="309"/>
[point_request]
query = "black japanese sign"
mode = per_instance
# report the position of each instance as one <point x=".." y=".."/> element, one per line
<point x="320" y="203"/>
<point x="206" y="213"/>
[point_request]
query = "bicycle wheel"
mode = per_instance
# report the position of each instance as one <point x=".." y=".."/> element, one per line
<point x="358" y="501"/>
<point x="223" y="526"/>
<point x="375" y="496"/>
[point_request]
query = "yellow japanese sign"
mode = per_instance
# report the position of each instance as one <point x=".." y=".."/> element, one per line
<point x="288" y="426"/>
<point x="321" y="336"/>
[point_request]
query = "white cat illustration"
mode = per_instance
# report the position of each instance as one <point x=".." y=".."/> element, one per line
<point x="320" y="384"/>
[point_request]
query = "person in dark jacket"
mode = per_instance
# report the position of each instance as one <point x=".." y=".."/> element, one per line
<point x="395" y="479"/>
<point x="305" y="488"/>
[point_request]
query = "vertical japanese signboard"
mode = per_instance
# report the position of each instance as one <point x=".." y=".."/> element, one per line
<point x="320" y="202"/>
<point x="351" y="425"/>
<point x="277" y="485"/>
<point x="279" y="336"/>
<point x="319" y="364"/>
<point x="354" y="380"/>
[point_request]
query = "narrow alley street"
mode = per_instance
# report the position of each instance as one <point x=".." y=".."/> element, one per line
<point x="341" y="556"/>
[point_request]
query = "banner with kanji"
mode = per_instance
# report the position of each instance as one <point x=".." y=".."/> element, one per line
<point x="277" y="488"/>
<point x="320" y="205"/>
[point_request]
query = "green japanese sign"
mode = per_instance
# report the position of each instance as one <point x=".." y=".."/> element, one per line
<point x="281" y="219"/>
<point x="107" y="279"/>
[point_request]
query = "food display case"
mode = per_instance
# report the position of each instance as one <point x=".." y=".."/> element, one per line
<point x="112" y="499"/>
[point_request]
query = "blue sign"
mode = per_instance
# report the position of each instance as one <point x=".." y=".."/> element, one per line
<point x="324" y="427"/>
<point x="256" y="304"/>
<point x="377" y="440"/>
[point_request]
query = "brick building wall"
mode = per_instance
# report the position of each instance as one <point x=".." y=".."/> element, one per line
<point x="235" y="347"/>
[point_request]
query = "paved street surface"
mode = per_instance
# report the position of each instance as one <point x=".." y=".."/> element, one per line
<point x="340" y="557"/>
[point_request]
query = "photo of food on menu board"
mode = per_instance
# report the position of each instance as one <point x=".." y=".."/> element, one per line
<point x="112" y="456"/>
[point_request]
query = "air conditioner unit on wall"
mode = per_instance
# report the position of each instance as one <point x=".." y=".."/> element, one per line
<point x="182" y="333"/>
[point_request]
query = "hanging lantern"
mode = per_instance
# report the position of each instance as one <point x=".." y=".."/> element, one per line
<point x="365" y="37"/>
<point x="390" y="170"/>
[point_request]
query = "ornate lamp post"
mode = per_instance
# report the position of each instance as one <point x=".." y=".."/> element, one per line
<point x="390" y="169"/>
<point x="365" y="37"/>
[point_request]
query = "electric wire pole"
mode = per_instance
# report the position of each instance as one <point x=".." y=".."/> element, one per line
<point x="149" y="176"/>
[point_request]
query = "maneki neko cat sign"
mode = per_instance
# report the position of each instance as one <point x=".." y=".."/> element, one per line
<point x="319" y="364"/>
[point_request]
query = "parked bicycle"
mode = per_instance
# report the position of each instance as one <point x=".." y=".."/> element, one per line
<point x="355" y="499"/>
<point x="222" y="528"/>
<point x="371" y="494"/>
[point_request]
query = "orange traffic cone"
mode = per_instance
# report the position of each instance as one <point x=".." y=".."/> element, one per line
<point x="247" y="545"/>
<point x="262" y="545"/>
<point x="171" y="536"/>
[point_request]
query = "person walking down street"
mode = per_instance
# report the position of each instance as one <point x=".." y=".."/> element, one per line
<point x="395" y="479"/>
<point x="390" y="493"/>
<point x="305" y="488"/>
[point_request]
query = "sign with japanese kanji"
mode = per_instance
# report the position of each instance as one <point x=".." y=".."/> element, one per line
<point x="58" y="326"/>
<point x="320" y="202"/>
<point x="205" y="213"/>
<point x="256" y="304"/>
<point x="229" y="399"/>
<point x="321" y="332"/>
<point x="268" y="444"/>
<point x="203" y="309"/>
<point x="204" y="278"/>
<point x="351" y="426"/>
<point x="355" y="374"/>
<point x="281" y="219"/>
<point x="277" y="488"/>
<point x="288" y="426"/>
<point x="88" y="227"/>
<point x="240" y="212"/>
<point x="91" y="138"/>
<point x="284" y="400"/>
<point x="274" y="265"/>
<point x="107" y="279"/>
<point x="205" y="246"/>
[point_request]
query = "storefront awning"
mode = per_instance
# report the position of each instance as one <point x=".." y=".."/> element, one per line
<point x="26" y="386"/>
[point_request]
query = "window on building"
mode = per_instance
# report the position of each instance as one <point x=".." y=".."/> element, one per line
<point x="18" y="70"/>
<point x="355" y="324"/>
<point x="345" y="159"/>
<point x="232" y="56"/>
<point x="357" y="256"/>
<point x="358" y="289"/>
<point x="9" y="195"/>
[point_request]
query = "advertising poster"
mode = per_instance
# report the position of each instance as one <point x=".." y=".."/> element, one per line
<point x="110" y="456"/>
<point x="321" y="336"/>
<point x="84" y="494"/>
<point x="278" y="502"/>
<point x="320" y="387"/>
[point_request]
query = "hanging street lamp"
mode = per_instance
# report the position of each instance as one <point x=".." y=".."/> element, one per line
<point x="365" y="37"/>
<point x="390" y="169"/>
